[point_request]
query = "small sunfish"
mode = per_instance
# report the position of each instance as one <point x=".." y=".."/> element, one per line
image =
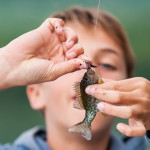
<point x="86" y="102"/>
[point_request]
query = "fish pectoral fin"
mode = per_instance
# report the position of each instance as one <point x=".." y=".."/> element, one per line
<point x="78" y="101"/>
<point x="78" y="105"/>
<point x="100" y="81"/>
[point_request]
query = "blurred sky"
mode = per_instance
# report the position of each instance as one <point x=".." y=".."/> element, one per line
<point x="18" y="17"/>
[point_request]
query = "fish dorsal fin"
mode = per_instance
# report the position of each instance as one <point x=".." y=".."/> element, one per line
<point x="78" y="101"/>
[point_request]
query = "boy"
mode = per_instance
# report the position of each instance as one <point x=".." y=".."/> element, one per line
<point x="108" y="48"/>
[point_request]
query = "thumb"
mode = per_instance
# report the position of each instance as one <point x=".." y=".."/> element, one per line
<point x="131" y="131"/>
<point x="107" y="80"/>
<point x="65" y="67"/>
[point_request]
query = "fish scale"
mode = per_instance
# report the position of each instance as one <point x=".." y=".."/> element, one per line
<point x="86" y="102"/>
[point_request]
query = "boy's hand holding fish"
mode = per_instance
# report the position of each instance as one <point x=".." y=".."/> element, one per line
<point x="128" y="99"/>
<point x="40" y="55"/>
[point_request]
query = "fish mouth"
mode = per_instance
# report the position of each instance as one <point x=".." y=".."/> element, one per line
<point x="89" y="65"/>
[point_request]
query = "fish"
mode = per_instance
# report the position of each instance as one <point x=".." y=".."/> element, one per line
<point x="86" y="102"/>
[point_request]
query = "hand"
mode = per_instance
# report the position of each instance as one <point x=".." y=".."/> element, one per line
<point x="40" y="55"/>
<point x="128" y="99"/>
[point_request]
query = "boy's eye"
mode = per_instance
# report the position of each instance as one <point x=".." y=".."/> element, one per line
<point x="108" y="66"/>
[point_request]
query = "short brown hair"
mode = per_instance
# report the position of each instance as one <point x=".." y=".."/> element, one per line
<point x="87" y="17"/>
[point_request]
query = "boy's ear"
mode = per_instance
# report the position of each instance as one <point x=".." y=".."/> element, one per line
<point x="36" y="100"/>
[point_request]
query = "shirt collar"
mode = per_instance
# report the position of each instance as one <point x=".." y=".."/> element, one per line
<point x="116" y="143"/>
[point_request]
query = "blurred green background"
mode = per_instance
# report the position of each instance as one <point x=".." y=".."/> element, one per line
<point x="18" y="17"/>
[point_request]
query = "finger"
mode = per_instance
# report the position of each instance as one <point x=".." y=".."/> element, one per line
<point x="67" y="67"/>
<point x="122" y="85"/>
<point x="131" y="131"/>
<point x="114" y="110"/>
<point x="69" y="37"/>
<point x="107" y="80"/>
<point x="45" y="70"/>
<point x="57" y="25"/>
<point x="54" y="24"/>
<point x="111" y="96"/>
<point x="85" y="57"/>
<point x="75" y="51"/>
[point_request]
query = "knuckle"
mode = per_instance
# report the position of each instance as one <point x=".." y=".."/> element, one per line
<point x="81" y="51"/>
<point x="99" y="94"/>
<point x="96" y="91"/>
<point x="48" y="21"/>
<point x="119" y="97"/>
<point x="129" y="113"/>
<point x="116" y="86"/>
<point x="145" y="98"/>
<point x="139" y="78"/>
<point x="58" y="20"/>
<point x="144" y="82"/>
<point x="107" y="109"/>
<point x="129" y="132"/>
<point x="71" y="34"/>
<point x="103" y="93"/>
<point x="68" y="29"/>
<point x="79" y="47"/>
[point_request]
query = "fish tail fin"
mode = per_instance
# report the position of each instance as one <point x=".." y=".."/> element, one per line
<point x="82" y="129"/>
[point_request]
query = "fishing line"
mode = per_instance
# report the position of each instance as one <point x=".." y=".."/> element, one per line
<point x="97" y="16"/>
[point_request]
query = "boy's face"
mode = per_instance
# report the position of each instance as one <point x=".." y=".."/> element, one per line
<point x="56" y="97"/>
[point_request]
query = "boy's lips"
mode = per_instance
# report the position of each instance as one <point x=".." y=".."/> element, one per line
<point x="74" y="97"/>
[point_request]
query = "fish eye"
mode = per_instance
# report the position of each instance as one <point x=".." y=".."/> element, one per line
<point x="85" y="78"/>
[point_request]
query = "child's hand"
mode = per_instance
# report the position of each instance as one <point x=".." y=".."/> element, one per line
<point x="129" y="99"/>
<point x="40" y="55"/>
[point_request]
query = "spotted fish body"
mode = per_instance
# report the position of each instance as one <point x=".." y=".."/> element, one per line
<point x="86" y="102"/>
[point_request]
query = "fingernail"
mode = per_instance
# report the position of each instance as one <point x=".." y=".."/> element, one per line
<point x="101" y="106"/>
<point x="70" y="44"/>
<point x="72" y="55"/>
<point x="60" y="29"/>
<point x="87" y="90"/>
<point x="57" y="25"/>
<point x="120" y="128"/>
<point x="90" y="90"/>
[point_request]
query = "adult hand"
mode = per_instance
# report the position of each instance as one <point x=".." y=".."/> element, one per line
<point x="128" y="99"/>
<point x="40" y="55"/>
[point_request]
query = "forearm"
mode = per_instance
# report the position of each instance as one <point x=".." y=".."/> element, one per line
<point x="4" y="70"/>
